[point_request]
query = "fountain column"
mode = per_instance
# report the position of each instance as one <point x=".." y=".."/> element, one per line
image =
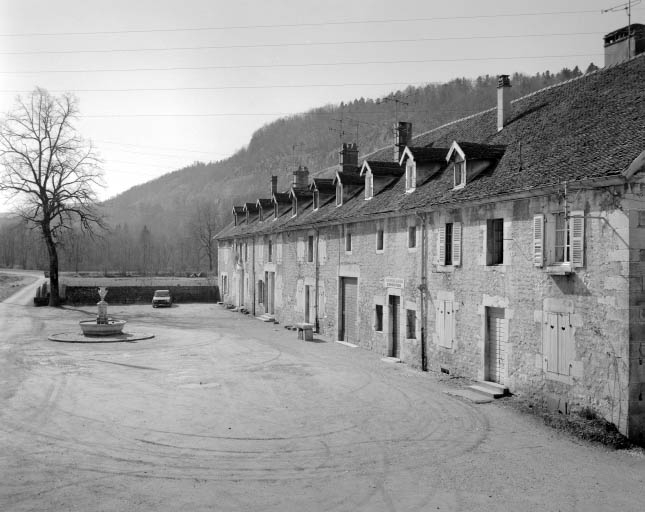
<point x="102" y="317"/>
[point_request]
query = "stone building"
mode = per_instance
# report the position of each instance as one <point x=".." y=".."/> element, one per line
<point x="507" y="247"/>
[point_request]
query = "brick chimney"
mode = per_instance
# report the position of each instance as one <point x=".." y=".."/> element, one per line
<point x="503" y="101"/>
<point x="624" y="43"/>
<point x="301" y="178"/>
<point x="402" y="138"/>
<point x="349" y="157"/>
<point x="274" y="185"/>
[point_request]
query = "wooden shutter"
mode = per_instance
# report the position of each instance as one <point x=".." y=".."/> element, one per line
<point x="440" y="321"/>
<point x="441" y="246"/>
<point x="577" y="237"/>
<point x="456" y="243"/>
<point x="551" y="341"/>
<point x="300" y="250"/>
<point x="538" y="240"/>
<point x="449" y="324"/>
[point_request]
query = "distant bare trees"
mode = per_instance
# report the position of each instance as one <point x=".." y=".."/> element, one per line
<point x="50" y="170"/>
<point x="204" y="225"/>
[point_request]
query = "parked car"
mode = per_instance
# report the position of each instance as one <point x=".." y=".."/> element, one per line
<point x="161" y="298"/>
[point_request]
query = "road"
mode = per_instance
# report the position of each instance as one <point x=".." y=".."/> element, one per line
<point x="222" y="412"/>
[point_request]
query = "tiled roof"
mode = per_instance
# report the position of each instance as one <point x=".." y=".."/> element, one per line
<point x="350" y="178"/>
<point x="282" y="197"/>
<point x="265" y="203"/>
<point x="302" y="194"/>
<point x="428" y="154"/>
<point x="323" y="185"/>
<point x="251" y="207"/>
<point x="586" y="128"/>
<point x="381" y="168"/>
<point x="476" y="151"/>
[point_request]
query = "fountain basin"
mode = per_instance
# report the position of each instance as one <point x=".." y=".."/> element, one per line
<point x="91" y="328"/>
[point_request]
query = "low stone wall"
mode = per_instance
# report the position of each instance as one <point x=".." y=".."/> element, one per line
<point x="87" y="295"/>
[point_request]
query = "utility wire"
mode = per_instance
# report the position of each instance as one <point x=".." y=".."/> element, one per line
<point x="270" y="66"/>
<point x="297" y="25"/>
<point x="279" y="45"/>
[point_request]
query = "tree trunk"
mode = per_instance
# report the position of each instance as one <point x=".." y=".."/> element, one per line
<point x="54" y="298"/>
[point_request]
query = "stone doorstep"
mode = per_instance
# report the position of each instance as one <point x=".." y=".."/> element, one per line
<point x="266" y="318"/>
<point x="390" y="359"/>
<point x="490" y="389"/>
<point x="473" y="396"/>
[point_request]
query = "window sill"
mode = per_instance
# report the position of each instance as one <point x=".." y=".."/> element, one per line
<point x="559" y="269"/>
<point x="445" y="269"/>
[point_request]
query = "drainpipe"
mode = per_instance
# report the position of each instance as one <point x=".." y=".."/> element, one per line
<point x="423" y="288"/>
<point x="253" y="274"/>
<point x="317" y="267"/>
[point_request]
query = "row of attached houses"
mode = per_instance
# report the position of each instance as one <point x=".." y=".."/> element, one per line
<point x="508" y="246"/>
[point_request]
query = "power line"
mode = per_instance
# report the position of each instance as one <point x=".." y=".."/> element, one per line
<point x="279" y="45"/>
<point x="269" y="66"/>
<point x="298" y="25"/>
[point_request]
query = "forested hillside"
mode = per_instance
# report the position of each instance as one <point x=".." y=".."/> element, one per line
<point x="162" y="225"/>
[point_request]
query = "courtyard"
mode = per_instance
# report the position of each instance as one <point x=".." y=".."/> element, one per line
<point x="220" y="411"/>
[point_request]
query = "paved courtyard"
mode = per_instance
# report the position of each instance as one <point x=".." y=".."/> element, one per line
<point x="222" y="412"/>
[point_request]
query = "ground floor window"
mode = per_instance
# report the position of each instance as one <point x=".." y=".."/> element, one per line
<point x="378" y="324"/>
<point x="411" y="323"/>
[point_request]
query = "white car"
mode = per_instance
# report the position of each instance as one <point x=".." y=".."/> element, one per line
<point x="161" y="298"/>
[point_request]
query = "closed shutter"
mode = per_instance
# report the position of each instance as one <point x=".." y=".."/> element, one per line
<point x="564" y="330"/>
<point x="350" y="308"/>
<point x="260" y="252"/>
<point x="551" y="342"/>
<point x="441" y="246"/>
<point x="439" y="323"/>
<point x="322" y="249"/>
<point x="456" y="243"/>
<point x="538" y="240"/>
<point x="300" y="250"/>
<point x="449" y="324"/>
<point x="278" y="252"/>
<point x="577" y="237"/>
<point x="300" y="296"/>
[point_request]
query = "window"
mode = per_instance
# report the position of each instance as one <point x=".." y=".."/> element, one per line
<point x="445" y="323"/>
<point x="449" y="244"/>
<point x="339" y="194"/>
<point x="410" y="175"/>
<point x="412" y="237"/>
<point x="378" y="323"/>
<point x="294" y="206"/>
<point x="495" y="242"/>
<point x="411" y="324"/>
<point x="316" y="200"/>
<point x="310" y="248"/>
<point x="558" y="343"/>
<point x="460" y="173"/>
<point x="369" y="186"/>
<point x="558" y="241"/>
<point x="379" y="239"/>
<point x="348" y="241"/>
<point x="270" y="251"/>
<point x="224" y="284"/>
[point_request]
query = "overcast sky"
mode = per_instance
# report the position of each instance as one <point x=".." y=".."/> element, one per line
<point x="162" y="83"/>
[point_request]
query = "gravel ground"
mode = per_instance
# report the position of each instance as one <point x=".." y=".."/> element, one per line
<point x="222" y="412"/>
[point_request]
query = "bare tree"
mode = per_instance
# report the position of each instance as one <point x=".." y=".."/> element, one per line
<point x="50" y="171"/>
<point x="204" y="225"/>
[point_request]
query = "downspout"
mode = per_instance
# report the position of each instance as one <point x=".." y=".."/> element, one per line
<point x="317" y="270"/>
<point x="423" y="288"/>
<point x="253" y="275"/>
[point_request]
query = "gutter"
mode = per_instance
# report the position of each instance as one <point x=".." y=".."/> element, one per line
<point x="423" y="289"/>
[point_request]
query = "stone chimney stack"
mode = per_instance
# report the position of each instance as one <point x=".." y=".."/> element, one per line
<point x="503" y="101"/>
<point x="349" y="157"/>
<point x="301" y="178"/>
<point x="274" y="185"/>
<point x="402" y="138"/>
<point x="624" y="43"/>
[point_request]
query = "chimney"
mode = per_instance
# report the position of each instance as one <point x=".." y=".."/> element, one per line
<point x="349" y="157"/>
<point x="402" y="138"/>
<point x="301" y="178"/>
<point x="274" y="185"/>
<point x="503" y="101"/>
<point x="624" y="43"/>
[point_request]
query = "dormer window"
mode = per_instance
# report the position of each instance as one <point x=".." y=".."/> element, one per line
<point x="294" y="207"/>
<point x="460" y="173"/>
<point x="410" y="175"/>
<point x="339" y="194"/>
<point x="369" y="186"/>
<point x="316" y="200"/>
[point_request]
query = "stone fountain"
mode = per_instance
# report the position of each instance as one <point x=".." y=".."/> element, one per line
<point x="103" y="325"/>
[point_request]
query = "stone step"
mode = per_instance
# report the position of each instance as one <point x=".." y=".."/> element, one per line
<point x="266" y="318"/>
<point x="492" y="389"/>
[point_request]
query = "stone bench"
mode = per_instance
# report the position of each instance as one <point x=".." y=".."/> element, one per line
<point x="305" y="331"/>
